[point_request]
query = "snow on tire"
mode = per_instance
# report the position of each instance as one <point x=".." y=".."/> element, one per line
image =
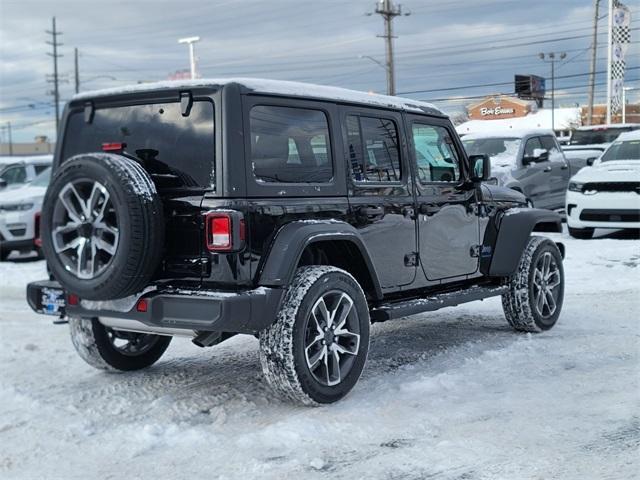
<point x="316" y="349"/>
<point x="107" y="349"/>
<point x="534" y="298"/>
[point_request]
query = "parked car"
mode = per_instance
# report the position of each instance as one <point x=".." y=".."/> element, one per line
<point x="588" y="143"/>
<point x="528" y="161"/>
<point x="607" y="195"/>
<point x="18" y="171"/>
<point x="293" y="212"/>
<point x="20" y="216"/>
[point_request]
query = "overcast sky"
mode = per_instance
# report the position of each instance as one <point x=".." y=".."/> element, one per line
<point x="444" y="49"/>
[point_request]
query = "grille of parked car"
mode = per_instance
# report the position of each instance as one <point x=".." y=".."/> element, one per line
<point x="598" y="215"/>
<point x="612" y="187"/>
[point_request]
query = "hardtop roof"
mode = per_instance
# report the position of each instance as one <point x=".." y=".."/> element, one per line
<point x="276" y="87"/>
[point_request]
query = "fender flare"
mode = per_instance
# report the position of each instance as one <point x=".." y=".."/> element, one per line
<point x="507" y="235"/>
<point x="291" y="240"/>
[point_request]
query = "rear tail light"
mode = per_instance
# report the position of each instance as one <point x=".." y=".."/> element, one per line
<point x="142" y="305"/>
<point x="113" y="147"/>
<point x="224" y="231"/>
<point x="37" y="238"/>
<point x="73" y="299"/>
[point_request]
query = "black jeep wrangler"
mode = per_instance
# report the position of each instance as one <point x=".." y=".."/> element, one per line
<point x="296" y="213"/>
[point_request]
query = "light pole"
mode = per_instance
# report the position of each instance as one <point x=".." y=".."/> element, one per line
<point x="551" y="58"/>
<point x="624" y="103"/>
<point x="192" y="57"/>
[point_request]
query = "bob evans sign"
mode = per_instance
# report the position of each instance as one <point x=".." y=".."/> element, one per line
<point x="499" y="107"/>
<point x="484" y="111"/>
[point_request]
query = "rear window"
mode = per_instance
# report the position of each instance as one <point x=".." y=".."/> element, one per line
<point x="290" y="145"/>
<point x="596" y="136"/>
<point x="177" y="151"/>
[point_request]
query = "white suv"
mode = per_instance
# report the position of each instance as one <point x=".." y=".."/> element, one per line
<point x="607" y="194"/>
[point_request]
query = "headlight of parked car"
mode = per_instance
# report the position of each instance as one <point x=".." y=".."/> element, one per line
<point x="575" y="186"/>
<point x="16" y="207"/>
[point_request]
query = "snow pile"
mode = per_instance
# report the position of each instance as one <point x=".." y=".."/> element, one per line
<point x="565" y="119"/>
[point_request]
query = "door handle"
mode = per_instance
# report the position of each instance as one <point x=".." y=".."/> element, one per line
<point x="428" y="209"/>
<point x="564" y="167"/>
<point x="371" y="211"/>
<point x="547" y="169"/>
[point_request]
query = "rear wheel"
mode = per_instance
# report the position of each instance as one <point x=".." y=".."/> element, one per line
<point x="581" y="233"/>
<point x="316" y="349"/>
<point x="536" y="291"/>
<point x="108" y="349"/>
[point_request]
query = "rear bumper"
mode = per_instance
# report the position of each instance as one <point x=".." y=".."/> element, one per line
<point x="248" y="311"/>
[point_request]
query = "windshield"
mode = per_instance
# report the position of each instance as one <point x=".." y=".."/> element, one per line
<point x="622" y="150"/>
<point x="501" y="151"/>
<point x="42" y="180"/>
<point x="176" y="150"/>
<point x="597" y="136"/>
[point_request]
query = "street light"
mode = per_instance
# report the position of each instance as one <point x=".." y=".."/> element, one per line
<point x="624" y="103"/>
<point x="192" y="58"/>
<point x="551" y="58"/>
<point x="377" y="62"/>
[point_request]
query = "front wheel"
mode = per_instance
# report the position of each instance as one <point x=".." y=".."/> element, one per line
<point x="534" y="299"/>
<point x="108" y="349"/>
<point x="316" y="349"/>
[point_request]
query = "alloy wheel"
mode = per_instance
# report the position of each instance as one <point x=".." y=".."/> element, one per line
<point x="85" y="231"/>
<point x="546" y="283"/>
<point x="332" y="337"/>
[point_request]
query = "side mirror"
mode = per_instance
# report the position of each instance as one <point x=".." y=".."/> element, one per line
<point x="3" y="183"/>
<point x="480" y="166"/>
<point x="591" y="160"/>
<point x="540" y="154"/>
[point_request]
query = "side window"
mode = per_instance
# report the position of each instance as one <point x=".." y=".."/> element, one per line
<point x="530" y="146"/>
<point x="549" y="143"/>
<point x="436" y="158"/>
<point x="290" y="145"/>
<point x="374" y="150"/>
<point x="41" y="168"/>
<point x="13" y="175"/>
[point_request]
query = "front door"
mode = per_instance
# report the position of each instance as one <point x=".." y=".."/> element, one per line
<point x="560" y="172"/>
<point x="448" y="224"/>
<point x="380" y="198"/>
<point x="535" y="176"/>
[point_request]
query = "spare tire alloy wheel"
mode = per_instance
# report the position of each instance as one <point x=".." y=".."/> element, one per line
<point x="102" y="226"/>
<point x="87" y="238"/>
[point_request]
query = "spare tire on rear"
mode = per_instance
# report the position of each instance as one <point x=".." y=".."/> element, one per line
<point x="102" y="226"/>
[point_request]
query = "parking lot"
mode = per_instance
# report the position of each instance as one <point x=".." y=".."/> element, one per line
<point x="448" y="395"/>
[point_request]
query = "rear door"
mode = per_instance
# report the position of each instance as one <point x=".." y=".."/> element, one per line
<point x="381" y="201"/>
<point x="447" y="213"/>
<point x="177" y="149"/>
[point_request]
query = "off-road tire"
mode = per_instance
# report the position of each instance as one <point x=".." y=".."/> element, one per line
<point x="140" y="224"/>
<point x="581" y="233"/>
<point x="282" y="344"/>
<point x="517" y="302"/>
<point x="91" y="340"/>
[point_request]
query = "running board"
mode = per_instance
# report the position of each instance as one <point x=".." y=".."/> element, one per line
<point x="391" y="310"/>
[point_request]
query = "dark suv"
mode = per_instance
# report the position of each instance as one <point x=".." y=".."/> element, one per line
<point x="296" y="213"/>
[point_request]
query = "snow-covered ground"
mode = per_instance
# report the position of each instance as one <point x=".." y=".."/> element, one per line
<point x="453" y="394"/>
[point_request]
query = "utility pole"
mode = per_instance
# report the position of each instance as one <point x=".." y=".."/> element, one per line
<point x="551" y="58"/>
<point x="192" y="57"/>
<point x="77" y="71"/>
<point x="10" y="140"/>
<point x="609" y="47"/>
<point x="388" y="11"/>
<point x="592" y="70"/>
<point x="56" y="92"/>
